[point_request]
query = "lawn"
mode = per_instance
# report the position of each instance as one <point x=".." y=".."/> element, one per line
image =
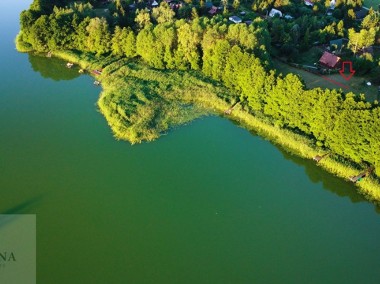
<point x="371" y="3"/>
<point x="102" y="12"/>
<point x="314" y="81"/>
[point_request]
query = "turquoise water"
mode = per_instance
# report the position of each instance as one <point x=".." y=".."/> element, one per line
<point x="207" y="203"/>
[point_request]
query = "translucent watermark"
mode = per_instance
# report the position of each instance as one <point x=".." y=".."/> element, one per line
<point x="18" y="249"/>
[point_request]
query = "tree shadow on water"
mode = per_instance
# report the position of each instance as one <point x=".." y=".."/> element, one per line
<point x="316" y="174"/>
<point x="52" y="68"/>
<point x="330" y="182"/>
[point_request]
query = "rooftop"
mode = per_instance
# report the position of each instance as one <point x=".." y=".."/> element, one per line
<point x="235" y="19"/>
<point x="330" y="60"/>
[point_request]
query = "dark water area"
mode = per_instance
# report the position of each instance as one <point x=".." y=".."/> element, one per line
<point x="207" y="203"/>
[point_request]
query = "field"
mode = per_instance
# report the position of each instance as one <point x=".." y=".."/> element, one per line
<point x="102" y="12"/>
<point x="356" y="84"/>
<point x="371" y="3"/>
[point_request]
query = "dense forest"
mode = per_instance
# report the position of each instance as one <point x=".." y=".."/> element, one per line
<point x="238" y="55"/>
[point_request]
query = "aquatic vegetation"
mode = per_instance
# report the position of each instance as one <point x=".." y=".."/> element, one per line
<point x="140" y="103"/>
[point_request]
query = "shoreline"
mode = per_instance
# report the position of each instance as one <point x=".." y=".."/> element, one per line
<point x="289" y="141"/>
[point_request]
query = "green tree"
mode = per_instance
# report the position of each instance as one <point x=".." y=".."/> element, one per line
<point x="242" y="36"/>
<point x="163" y="13"/>
<point x="149" y="49"/>
<point x="129" y="46"/>
<point x="194" y="13"/>
<point x="351" y="14"/>
<point x="372" y="20"/>
<point x="236" y="4"/>
<point x="165" y="36"/>
<point x="40" y="33"/>
<point x="306" y="40"/>
<point x="188" y="45"/>
<point x="184" y="12"/>
<point x="41" y="6"/>
<point x="225" y="6"/>
<point x="340" y="28"/>
<point x="79" y="38"/>
<point x="119" y="5"/>
<point x="118" y="40"/>
<point x="358" y="41"/>
<point x="142" y="18"/>
<point x="99" y="37"/>
<point x="295" y="33"/>
<point x="281" y="3"/>
<point x="218" y="58"/>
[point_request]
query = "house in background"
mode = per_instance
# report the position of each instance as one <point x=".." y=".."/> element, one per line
<point x="275" y="12"/>
<point x="213" y="11"/>
<point x="309" y="3"/>
<point x="235" y="19"/>
<point x="330" y="61"/>
<point x="338" y="44"/>
<point x="368" y="50"/>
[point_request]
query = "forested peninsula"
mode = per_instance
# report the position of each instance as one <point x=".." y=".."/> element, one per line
<point x="157" y="63"/>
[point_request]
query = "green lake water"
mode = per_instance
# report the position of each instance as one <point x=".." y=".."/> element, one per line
<point x="207" y="203"/>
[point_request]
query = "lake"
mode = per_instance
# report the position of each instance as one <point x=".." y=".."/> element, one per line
<point x="207" y="203"/>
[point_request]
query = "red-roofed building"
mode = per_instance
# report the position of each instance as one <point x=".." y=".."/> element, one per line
<point x="330" y="60"/>
<point x="213" y="10"/>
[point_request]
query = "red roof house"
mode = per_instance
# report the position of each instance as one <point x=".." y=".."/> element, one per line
<point x="330" y="60"/>
<point x="213" y="10"/>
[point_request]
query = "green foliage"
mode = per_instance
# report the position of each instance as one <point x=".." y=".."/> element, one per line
<point x="79" y="38"/>
<point x="145" y="44"/>
<point x="163" y="13"/>
<point x="236" y="4"/>
<point x="83" y="8"/>
<point x="124" y="42"/>
<point x="138" y="108"/>
<point x="39" y="34"/>
<point x="358" y="41"/>
<point x="40" y="6"/>
<point x="188" y="43"/>
<point x="21" y="44"/>
<point x="185" y="12"/>
<point x="372" y="20"/>
<point x="140" y="102"/>
<point x="142" y="18"/>
<point x="364" y="63"/>
<point x="99" y="36"/>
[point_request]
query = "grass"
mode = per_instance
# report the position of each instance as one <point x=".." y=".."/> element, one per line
<point x="102" y="12"/>
<point x="140" y="103"/>
<point x="371" y="3"/>
<point x="311" y="80"/>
